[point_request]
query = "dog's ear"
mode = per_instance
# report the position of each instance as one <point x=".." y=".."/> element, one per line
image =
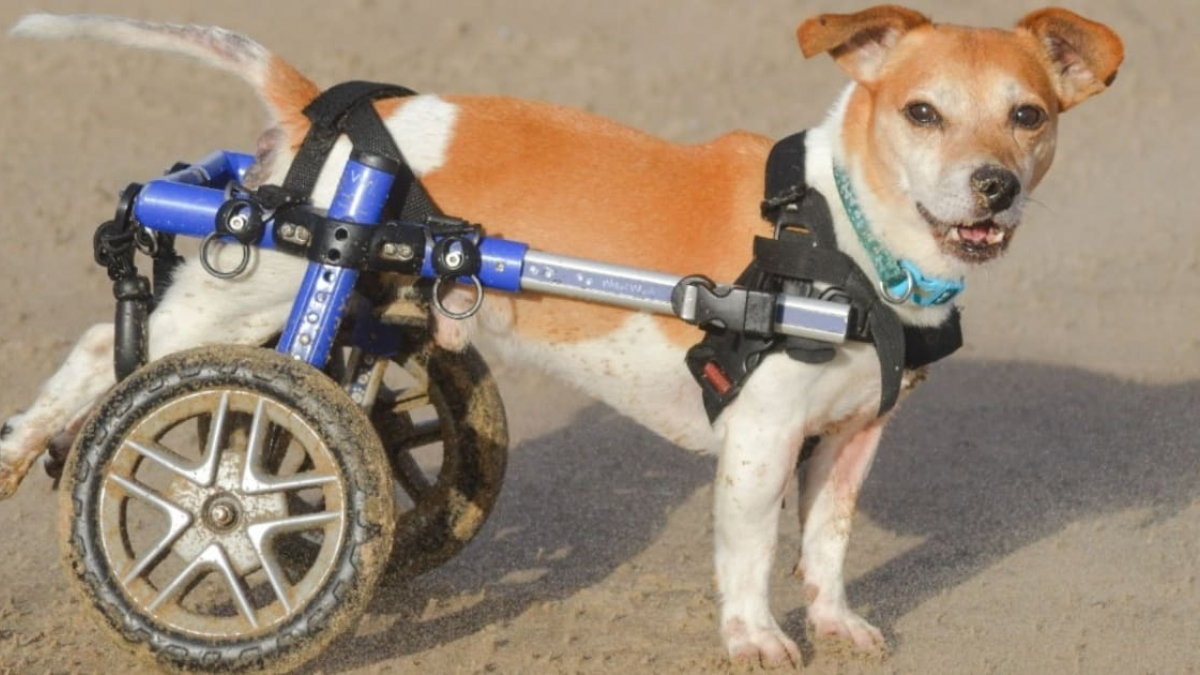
<point x="1081" y="56"/>
<point x="858" y="42"/>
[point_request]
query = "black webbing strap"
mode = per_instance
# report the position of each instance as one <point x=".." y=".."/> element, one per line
<point x="346" y="109"/>
<point x="804" y="252"/>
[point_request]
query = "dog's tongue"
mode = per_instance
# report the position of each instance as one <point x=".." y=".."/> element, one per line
<point x="975" y="233"/>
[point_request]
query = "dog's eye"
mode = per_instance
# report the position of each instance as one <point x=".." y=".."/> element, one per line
<point x="923" y="114"/>
<point x="1029" y="117"/>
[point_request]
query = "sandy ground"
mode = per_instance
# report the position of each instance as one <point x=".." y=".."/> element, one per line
<point x="1035" y="508"/>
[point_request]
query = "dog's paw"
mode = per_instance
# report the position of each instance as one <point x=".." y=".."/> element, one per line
<point x="14" y="463"/>
<point x="762" y="645"/>
<point x="842" y="625"/>
<point x="10" y="478"/>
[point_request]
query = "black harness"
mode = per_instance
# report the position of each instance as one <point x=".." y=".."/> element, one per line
<point x="801" y="256"/>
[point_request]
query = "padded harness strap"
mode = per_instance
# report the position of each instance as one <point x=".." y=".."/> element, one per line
<point x="347" y="108"/>
<point x="802" y="254"/>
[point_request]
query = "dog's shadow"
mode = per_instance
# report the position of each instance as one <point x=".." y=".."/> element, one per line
<point x="988" y="458"/>
<point x="575" y="505"/>
<point x="983" y="460"/>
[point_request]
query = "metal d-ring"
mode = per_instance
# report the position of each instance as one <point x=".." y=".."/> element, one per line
<point x="909" y="286"/>
<point x="441" y="308"/>
<point x="208" y="267"/>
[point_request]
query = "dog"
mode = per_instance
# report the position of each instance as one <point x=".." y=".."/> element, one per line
<point x="942" y="133"/>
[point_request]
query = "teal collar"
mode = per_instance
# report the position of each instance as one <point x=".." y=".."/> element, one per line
<point x="900" y="280"/>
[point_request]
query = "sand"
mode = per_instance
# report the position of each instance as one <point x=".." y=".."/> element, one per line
<point x="1034" y="508"/>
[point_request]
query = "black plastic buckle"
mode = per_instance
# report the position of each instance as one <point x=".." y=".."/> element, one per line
<point x="722" y="307"/>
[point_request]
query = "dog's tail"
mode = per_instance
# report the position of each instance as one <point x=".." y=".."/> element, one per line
<point x="283" y="88"/>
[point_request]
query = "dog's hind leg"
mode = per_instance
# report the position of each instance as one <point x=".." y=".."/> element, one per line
<point x="196" y="310"/>
<point x="87" y="373"/>
<point x="834" y="475"/>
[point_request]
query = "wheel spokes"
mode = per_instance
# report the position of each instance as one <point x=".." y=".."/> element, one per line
<point x="261" y="535"/>
<point x="253" y="480"/>
<point x="212" y="558"/>
<point x="179" y="520"/>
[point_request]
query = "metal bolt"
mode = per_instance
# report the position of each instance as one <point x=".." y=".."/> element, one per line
<point x="389" y="250"/>
<point x="454" y="260"/>
<point x="238" y="222"/>
<point x="499" y="268"/>
<point x="303" y="235"/>
<point x="406" y="252"/>
<point x="222" y="515"/>
<point x="287" y="231"/>
<point x="305" y="339"/>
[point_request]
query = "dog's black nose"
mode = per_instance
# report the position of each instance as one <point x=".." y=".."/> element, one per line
<point x="996" y="186"/>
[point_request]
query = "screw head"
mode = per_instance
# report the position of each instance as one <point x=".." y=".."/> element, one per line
<point x="238" y="222"/>
<point x="222" y="515"/>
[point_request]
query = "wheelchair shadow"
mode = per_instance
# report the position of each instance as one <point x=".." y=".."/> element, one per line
<point x="576" y="504"/>
<point x="985" y="459"/>
<point x="988" y="458"/>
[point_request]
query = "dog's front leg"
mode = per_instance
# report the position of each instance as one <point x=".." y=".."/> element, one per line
<point x="834" y="475"/>
<point x="762" y="433"/>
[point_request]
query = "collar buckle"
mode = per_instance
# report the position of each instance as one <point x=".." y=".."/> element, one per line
<point x="927" y="291"/>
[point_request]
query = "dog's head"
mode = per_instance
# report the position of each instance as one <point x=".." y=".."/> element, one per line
<point x="955" y="126"/>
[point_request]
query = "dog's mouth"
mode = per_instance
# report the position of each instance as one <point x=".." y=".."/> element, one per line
<point x="975" y="242"/>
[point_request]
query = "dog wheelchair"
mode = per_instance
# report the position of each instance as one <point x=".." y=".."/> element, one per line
<point x="233" y="507"/>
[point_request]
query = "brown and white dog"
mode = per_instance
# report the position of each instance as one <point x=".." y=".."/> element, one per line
<point x="944" y="133"/>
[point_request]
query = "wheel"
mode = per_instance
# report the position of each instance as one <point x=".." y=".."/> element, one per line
<point x="441" y="420"/>
<point x="227" y="509"/>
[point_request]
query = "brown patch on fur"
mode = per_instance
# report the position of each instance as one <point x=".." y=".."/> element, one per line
<point x="1081" y="55"/>
<point x="810" y="593"/>
<point x="289" y="92"/>
<point x="575" y="184"/>
<point x="830" y="32"/>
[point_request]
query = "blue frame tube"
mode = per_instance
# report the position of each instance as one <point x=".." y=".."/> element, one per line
<point x="321" y="303"/>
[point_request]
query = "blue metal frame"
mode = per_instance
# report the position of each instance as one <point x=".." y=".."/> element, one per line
<point x="321" y="302"/>
<point x="187" y="201"/>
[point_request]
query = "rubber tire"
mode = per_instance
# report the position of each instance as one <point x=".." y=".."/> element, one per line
<point x="335" y="607"/>
<point x="474" y="459"/>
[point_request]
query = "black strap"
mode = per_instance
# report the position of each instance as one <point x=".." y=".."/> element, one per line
<point x="327" y="113"/>
<point x="804" y="252"/>
<point x="346" y="109"/>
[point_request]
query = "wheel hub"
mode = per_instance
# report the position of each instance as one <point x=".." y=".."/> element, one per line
<point x="222" y="511"/>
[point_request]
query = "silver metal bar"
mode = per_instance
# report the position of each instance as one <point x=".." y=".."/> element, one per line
<point x="601" y="282"/>
<point x="651" y="292"/>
